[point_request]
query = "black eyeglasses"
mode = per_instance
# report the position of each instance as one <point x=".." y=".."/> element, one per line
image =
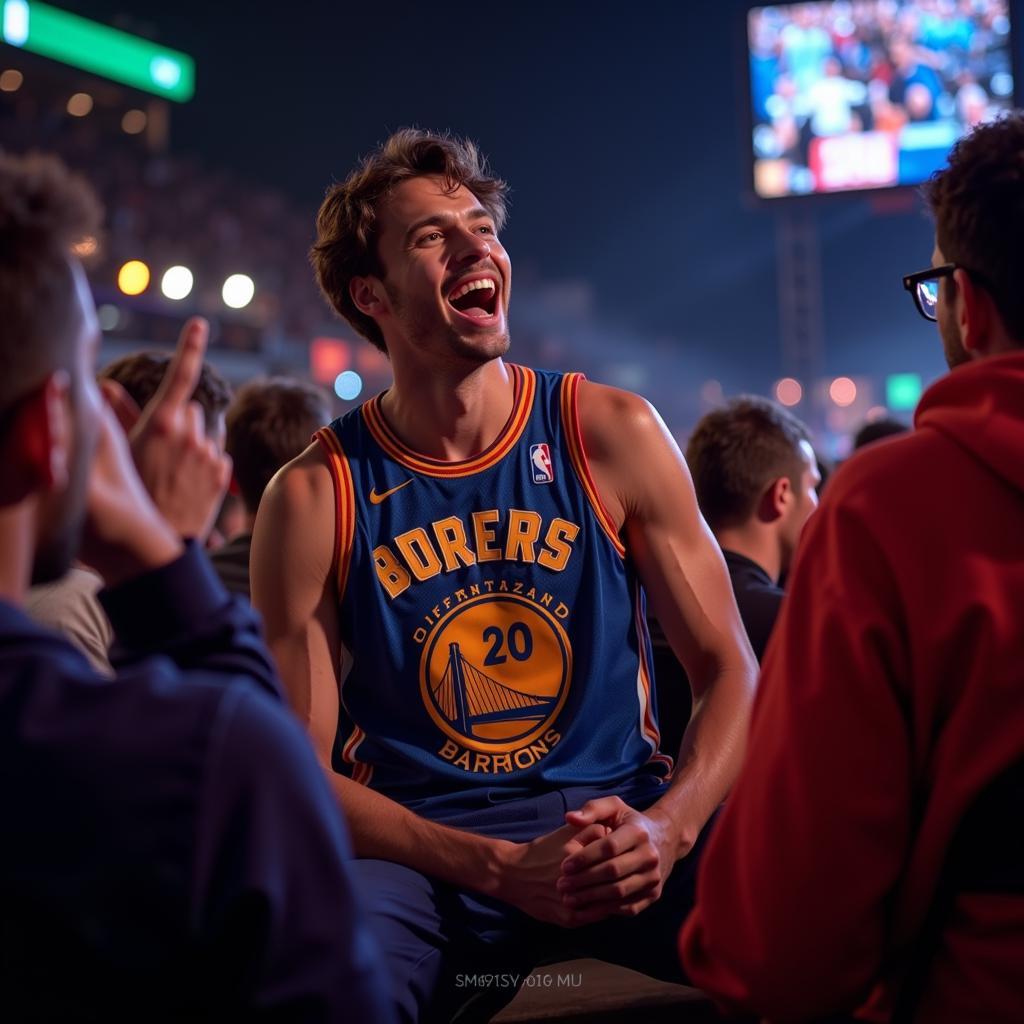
<point x="924" y="286"/>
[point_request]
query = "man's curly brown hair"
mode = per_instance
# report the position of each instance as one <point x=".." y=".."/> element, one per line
<point x="347" y="229"/>
<point x="978" y="204"/>
<point x="44" y="211"/>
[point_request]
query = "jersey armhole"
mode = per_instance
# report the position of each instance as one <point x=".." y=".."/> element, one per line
<point x="344" y="506"/>
<point x="578" y="454"/>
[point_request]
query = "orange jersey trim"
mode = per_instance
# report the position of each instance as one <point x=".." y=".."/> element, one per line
<point x="345" y="527"/>
<point x="644" y="687"/>
<point x="361" y="772"/>
<point x="344" y="505"/>
<point x="577" y="451"/>
<point x="524" y="384"/>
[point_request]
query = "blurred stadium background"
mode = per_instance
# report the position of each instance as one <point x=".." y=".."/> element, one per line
<point x="640" y="254"/>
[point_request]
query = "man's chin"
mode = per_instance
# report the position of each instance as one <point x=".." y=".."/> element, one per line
<point x="482" y="346"/>
<point x="956" y="355"/>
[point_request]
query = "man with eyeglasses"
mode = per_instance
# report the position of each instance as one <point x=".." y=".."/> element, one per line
<point x="870" y="858"/>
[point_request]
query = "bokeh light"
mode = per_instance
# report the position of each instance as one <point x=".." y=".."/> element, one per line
<point x="789" y="392"/>
<point x="348" y="385"/>
<point x="327" y="358"/>
<point x="134" y="122"/>
<point x="176" y="283"/>
<point x="80" y="104"/>
<point x="86" y="247"/>
<point x="109" y="316"/>
<point x="238" y="291"/>
<point x="133" y="277"/>
<point x="10" y="80"/>
<point x="843" y="392"/>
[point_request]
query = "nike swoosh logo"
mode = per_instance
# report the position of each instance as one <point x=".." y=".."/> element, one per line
<point x="376" y="499"/>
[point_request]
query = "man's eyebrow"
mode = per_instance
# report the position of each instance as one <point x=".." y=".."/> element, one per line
<point x="443" y="220"/>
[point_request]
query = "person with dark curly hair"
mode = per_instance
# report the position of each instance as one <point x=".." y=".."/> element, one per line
<point x="870" y="859"/>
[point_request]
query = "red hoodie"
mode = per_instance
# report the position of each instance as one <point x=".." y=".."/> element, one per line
<point x="892" y="693"/>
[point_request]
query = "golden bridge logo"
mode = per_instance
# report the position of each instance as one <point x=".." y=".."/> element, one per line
<point x="495" y="672"/>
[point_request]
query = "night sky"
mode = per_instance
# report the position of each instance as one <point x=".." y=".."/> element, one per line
<point x="619" y="127"/>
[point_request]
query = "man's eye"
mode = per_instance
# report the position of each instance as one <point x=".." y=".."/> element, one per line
<point x="486" y="229"/>
<point x="433" y="236"/>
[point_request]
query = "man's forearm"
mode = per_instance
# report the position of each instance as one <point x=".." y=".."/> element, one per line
<point x="710" y="755"/>
<point x="386" y="830"/>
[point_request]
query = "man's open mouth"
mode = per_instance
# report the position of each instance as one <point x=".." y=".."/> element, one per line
<point x="476" y="298"/>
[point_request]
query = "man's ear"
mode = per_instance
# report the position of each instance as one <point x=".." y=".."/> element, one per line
<point x="975" y="313"/>
<point x="37" y="449"/>
<point x="775" y="500"/>
<point x="368" y="295"/>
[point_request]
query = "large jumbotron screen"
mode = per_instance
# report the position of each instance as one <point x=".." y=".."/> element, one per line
<point x="870" y="94"/>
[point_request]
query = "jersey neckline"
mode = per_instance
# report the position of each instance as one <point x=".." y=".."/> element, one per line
<point x="524" y="386"/>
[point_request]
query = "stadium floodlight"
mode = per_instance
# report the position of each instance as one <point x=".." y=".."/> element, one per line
<point x="348" y="385"/>
<point x="133" y="277"/>
<point x="97" y="48"/>
<point x="176" y="283"/>
<point x="238" y="291"/>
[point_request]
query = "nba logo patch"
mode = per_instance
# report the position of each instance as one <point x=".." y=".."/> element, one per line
<point x="540" y="459"/>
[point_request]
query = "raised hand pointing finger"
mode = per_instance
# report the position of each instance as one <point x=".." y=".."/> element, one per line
<point x="185" y="474"/>
<point x="182" y="375"/>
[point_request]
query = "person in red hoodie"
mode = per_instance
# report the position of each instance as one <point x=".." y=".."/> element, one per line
<point x="867" y="861"/>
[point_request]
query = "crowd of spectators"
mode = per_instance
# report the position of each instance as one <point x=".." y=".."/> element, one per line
<point x="917" y="71"/>
<point x="861" y="862"/>
<point x="170" y="208"/>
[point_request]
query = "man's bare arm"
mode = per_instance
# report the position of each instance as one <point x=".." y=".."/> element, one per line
<point x="293" y="588"/>
<point x="646" y="488"/>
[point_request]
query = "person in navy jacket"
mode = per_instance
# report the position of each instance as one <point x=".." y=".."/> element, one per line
<point x="171" y="849"/>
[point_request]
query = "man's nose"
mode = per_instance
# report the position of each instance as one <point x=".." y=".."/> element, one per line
<point x="471" y="246"/>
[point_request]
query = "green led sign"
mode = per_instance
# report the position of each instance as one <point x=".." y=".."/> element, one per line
<point x="902" y="391"/>
<point x="98" y="48"/>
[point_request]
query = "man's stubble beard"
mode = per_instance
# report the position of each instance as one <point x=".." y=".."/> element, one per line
<point x="445" y="340"/>
<point x="952" y="347"/>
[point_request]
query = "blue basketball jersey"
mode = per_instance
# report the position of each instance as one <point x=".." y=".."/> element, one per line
<point x="493" y="627"/>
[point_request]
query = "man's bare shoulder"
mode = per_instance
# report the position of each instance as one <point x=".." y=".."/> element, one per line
<point x="293" y="539"/>
<point x="615" y="420"/>
<point x="302" y="485"/>
<point x="628" y="450"/>
<point x="613" y="416"/>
